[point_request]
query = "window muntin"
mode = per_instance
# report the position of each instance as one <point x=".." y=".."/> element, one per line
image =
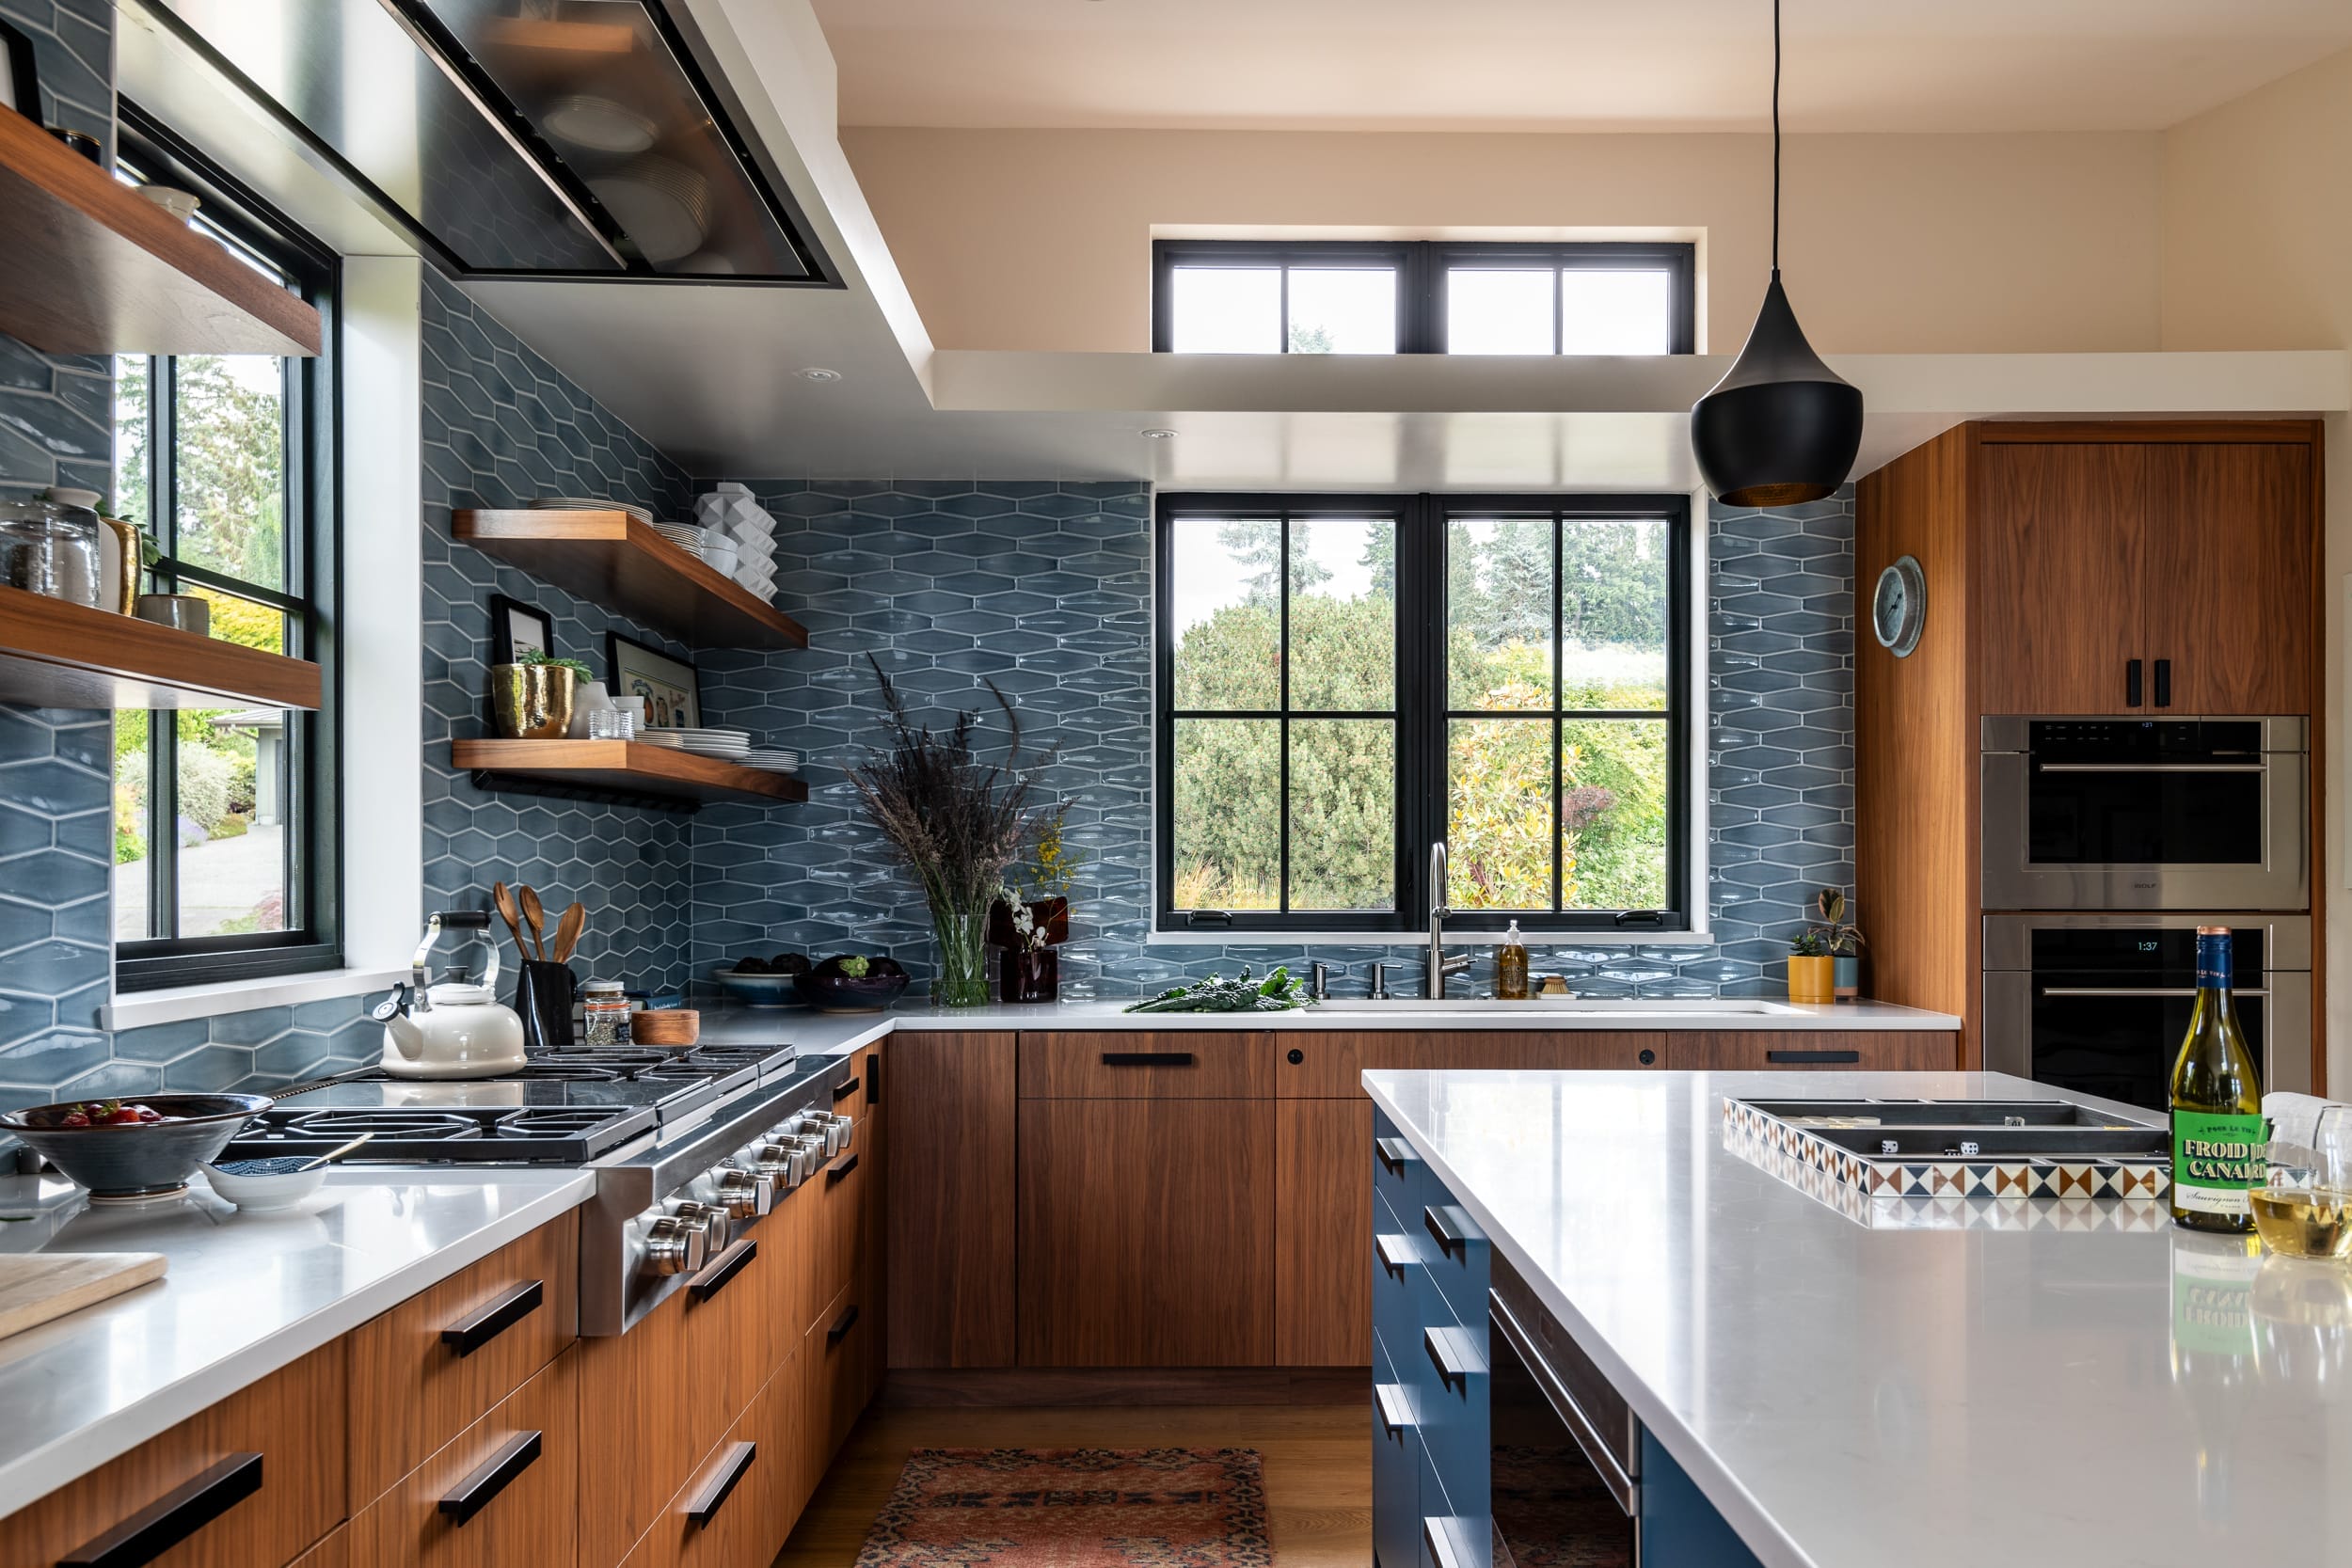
<point x="1272" y="296"/>
<point x="1508" y="675"/>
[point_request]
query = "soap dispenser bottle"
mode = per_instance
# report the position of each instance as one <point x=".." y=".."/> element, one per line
<point x="1511" y="967"/>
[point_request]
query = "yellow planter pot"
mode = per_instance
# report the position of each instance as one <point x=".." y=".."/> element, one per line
<point x="1812" y="979"/>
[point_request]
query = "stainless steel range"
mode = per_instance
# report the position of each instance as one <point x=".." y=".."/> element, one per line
<point x="690" y="1148"/>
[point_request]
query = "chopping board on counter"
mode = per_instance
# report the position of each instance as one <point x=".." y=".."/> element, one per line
<point x="35" y="1287"/>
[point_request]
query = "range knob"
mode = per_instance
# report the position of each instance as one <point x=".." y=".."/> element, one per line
<point x="709" y="1219"/>
<point x="835" y="1130"/>
<point x="744" y="1193"/>
<point x="672" y="1247"/>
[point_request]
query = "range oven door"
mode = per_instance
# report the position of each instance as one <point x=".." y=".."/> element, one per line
<point x="2099" y="1002"/>
<point x="2146" y="814"/>
<point x="1565" y="1448"/>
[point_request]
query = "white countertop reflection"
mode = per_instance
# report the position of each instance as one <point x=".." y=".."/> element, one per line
<point x="1849" y="1396"/>
<point x="244" y="1295"/>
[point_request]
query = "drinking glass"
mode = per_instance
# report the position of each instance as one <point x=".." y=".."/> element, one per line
<point x="2303" y="1209"/>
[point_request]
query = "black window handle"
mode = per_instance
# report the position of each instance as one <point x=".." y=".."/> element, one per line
<point x="470" y="1335"/>
<point x="1208" y="917"/>
<point x="1147" y="1058"/>
<point x="1451" y="1237"/>
<point x="2164" y="683"/>
<point x="841" y="1171"/>
<point x="492" y="1475"/>
<point x="843" y="1091"/>
<point x="1396" y="1252"/>
<point x="720" y="1269"/>
<point x="1393" y="1153"/>
<point x="706" y="1507"/>
<point x="172" y="1517"/>
<point x="1639" y="917"/>
<point x="2131" y="683"/>
<point x="1813" y="1056"/>
<point x="840" y="1330"/>
<point x="1454" y="1368"/>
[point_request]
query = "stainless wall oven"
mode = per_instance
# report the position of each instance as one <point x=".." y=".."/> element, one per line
<point x="2099" y="1002"/>
<point x="2146" y="814"/>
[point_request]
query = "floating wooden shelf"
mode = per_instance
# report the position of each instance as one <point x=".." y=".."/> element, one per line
<point x="58" y="654"/>
<point x="625" y="768"/>
<point x="92" y="267"/>
<point x="623" y="564"/>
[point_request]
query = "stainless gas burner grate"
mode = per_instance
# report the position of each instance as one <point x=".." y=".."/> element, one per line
<point x="458" y="1134"/>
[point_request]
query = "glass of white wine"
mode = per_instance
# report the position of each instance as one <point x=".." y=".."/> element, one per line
<point x="2303" y="1209"/>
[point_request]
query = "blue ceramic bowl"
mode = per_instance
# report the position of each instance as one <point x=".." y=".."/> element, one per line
<point x="838" y="993"/>
<point x="145" y="1161"/>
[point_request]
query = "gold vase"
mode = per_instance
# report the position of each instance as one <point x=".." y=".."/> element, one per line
<point x="531" y="701"/>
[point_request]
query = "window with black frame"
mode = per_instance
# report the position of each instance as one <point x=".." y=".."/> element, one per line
<point x="1343" y="680"/>
<point x="224" y="816"/>
<point x="1284" y="296"/>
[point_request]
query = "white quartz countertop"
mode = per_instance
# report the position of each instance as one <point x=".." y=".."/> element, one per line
<point x="1850" y="1397"/>
<point x="823" y="1032"/>
<point x="243" y="1295"/>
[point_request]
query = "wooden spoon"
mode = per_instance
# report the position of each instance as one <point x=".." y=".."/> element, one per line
<point x="505" y="898"/>
<point x="568" y="931"/>
<point x="536" y="916"/>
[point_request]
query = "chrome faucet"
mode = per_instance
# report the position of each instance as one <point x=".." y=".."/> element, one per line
<point x="1439" y="965"/>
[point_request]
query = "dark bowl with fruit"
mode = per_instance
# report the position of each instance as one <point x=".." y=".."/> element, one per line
<point x="144" y="1148"/>
<point x="764" y="982"/>
<point x="853" y="984"/>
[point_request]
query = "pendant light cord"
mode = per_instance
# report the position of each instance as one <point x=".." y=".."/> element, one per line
<point x="1775" y="138"/>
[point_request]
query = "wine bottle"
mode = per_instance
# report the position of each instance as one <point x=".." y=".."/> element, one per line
<point x="2216" y="1096"/>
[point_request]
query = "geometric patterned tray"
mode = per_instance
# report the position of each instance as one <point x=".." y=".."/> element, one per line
<point x="2062" y="1176"/>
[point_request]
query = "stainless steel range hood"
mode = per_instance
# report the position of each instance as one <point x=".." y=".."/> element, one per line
<point x="574" y="139"/>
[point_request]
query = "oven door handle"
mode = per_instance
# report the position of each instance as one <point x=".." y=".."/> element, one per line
<point x="2151" y="767"/>
<point x="2133" y="991"/>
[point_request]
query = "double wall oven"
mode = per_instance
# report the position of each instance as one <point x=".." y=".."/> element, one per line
<point x="2106" y="843"/>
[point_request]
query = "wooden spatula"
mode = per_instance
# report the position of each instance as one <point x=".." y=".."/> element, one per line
<point x="567" y="929"/>
<point x="535" y="917"/>
<point x="505" y="898"/>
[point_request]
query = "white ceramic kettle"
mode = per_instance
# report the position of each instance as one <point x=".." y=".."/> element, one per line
<point x="456" y="1029"/>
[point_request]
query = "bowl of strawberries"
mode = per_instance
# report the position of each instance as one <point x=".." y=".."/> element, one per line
<point x="134" y="1147"/>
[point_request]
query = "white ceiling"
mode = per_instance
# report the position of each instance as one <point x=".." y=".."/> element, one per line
<point x="1552" y="65"/>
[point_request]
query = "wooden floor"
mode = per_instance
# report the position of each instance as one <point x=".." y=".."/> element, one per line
<point x="1317" y="1457"/>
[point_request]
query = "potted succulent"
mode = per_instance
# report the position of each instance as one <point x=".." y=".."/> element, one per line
<point x="1845" y="940"/>
<point x="1811" y="968"/>
<point x="531" y="698"/>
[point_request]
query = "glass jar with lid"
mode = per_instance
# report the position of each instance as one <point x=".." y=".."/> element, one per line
<point x="50" y="546"/>
<point x="604" y="1013"/>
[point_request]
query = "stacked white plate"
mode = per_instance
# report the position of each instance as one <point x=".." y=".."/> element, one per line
<point x="583" y="503"/>
<point x="772" y="759"/>
<point x="731" y="745"/>
<point x="683" y="535"/>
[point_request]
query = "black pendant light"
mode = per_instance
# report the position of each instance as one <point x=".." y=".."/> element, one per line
<point x="1780" y="427"/>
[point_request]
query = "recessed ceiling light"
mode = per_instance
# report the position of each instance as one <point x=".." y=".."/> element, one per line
<point x="818" y="373"/>
<point x="1156" y="434"/>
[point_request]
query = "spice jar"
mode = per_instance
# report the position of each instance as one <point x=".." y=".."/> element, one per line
<point x="604" y="1013"/>
<point x="51" y="547"/>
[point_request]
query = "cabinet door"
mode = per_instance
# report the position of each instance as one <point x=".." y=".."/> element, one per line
<point x="512" y="1479"/>
<point x="951" y="1199"/>
<point x="1147" y="1234"/>
<point x="1175" y="1064"/>
<point x="1323" y="1211"/>
<point x="2230" y="574"/>
<point x="1855" y="1051"/>
<point x="2062" y="570"/>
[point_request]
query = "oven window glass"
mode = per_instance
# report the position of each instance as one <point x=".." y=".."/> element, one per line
<point x="2110" y="1008"/>
<point x="2123" y="793"/>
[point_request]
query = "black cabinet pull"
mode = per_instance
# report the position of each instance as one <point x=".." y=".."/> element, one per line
<point x="840" y="1331"/>
<point x="492" y="1475"/>
<point x="720" y="1269"/>
<point x="1454" y="1368"/>
<point x="1395" y="1253"/>
<point x="1395" y="1414"/>
<point x="873" y="1078"/>
<point x="494" y="1319"/>
<point x="1147" y="1058"/>
<point x="1849" y="1057"/>
<point x="2164" y="683"/>
<point x="1451" y="1237"/>
<point x="841" y="1172"/>
<point x="1295" y="1056"/>
<point x="843" y="1091"/>
<point x="2131" y="683"/>
<point x="706" y="1507"/>
<point x="1647" y="1056"/>
<point x="1393" y="1153"/>
<point x="172" y="1517"/>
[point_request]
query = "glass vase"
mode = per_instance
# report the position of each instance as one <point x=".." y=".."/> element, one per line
<point x="962" y="957"/>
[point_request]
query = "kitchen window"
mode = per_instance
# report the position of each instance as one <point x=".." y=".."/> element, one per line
<point x="1275" y="296"/>
<point x="1342" y="680"/>
<point x="223" y="817"/>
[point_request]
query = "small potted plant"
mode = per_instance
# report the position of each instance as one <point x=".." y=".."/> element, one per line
<point x="1844" y="942"/>
<point x="531" y="698"/>
<point x="1811" y="968"/>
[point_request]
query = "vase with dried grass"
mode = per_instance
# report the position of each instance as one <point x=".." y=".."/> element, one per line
<point x="955" y="822"/>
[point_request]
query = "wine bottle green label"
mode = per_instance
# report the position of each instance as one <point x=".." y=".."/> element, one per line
<point x="2215" y="1158"/>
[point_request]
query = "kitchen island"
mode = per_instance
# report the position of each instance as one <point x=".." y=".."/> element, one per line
<point x="2009" y="1382"/>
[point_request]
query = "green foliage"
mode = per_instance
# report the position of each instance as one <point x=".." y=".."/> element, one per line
<point x="204" y="780"/>
<point x="540" y="656"/>
<point x="129" y="846"/>
<point x="1808" y="943"/>
<point x="231" y="826"/>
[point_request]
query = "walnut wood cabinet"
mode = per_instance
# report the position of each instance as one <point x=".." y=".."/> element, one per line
<point x="950" y="1186"/>
<point x="1774" y="1050"/>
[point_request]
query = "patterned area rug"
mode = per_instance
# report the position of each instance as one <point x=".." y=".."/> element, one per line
<point x="1552" y="1512"/>
<point x="1073" y="1508"/>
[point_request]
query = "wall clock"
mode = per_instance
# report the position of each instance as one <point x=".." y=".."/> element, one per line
<point x="1898" y="606"/>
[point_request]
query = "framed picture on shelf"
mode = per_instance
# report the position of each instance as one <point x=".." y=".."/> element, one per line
<point x="671" y="690"/>
<point x="516" y="629"/>
<point x="20" y="83"/>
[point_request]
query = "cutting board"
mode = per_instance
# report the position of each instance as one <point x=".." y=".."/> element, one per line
<point x="38" y="1285"/>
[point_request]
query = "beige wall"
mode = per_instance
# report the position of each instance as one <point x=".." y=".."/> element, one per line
<point x="1893" y="244"/>
<point x="2257" y="253"/>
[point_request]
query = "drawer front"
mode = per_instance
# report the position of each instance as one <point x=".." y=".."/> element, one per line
<point x="425" y="1371"/>
<point x="841" y="1192"/>
<point x="503" y="1491"/>
<point x="1456" y="1257"/>
<point x="1400" y="1287"/>
<point x="838" y="1348"/>
<point x="1452" y="1406"/>
<point x="1396" y="1470"/>
<point x="1846" y="1050"/>
<point x="859" y="1092"/>
<point x="1399" y="1175"/>
<point x="1122" y="1064"/>
<point x="252" y="1482"/>
<point x="1325" y="1064"/>
<point x="1447" y="1534"/>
